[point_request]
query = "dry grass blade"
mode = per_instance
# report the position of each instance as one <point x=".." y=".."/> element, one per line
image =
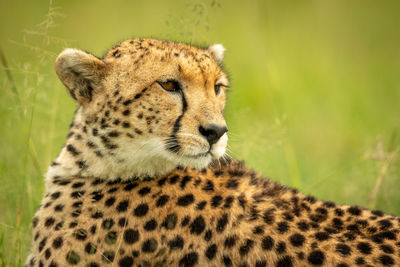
<point x="4" y="63"/>
<point x="382" y="173"/>
<point x="31" y="146"/>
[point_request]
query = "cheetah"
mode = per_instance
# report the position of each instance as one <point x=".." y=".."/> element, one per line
<point x="142" y="180"/>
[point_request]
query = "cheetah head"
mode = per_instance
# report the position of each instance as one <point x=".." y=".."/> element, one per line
<point x="145" y="108"/>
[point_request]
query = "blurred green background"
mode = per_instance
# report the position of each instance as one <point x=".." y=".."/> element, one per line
<point x="315" y="99"/>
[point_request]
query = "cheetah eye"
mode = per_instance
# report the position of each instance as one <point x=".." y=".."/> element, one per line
<point x="170" y="86"/>
<point x="217" y="88"/>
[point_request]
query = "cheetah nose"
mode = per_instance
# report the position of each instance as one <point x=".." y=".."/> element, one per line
<point x="212" y="132"/>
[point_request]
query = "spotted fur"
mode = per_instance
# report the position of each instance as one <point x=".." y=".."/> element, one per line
<point x="102" y="209"/>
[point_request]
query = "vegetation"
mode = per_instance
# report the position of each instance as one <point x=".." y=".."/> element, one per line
<point x="314" y="101"/>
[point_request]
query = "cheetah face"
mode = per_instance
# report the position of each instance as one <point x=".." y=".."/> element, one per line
<point x="149" y="105"/>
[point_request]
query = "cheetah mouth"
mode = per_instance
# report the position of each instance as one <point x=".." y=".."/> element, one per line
<point x="199" y="155"/>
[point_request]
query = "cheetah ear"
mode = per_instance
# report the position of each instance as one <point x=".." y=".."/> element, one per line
<point x="217" y="51"/>
<point x="80" y="72"/>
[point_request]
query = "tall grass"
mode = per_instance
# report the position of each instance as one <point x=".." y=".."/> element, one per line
<point x="314" y="100"/>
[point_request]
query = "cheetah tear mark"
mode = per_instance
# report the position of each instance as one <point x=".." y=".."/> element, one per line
<point x="173" y="144"/>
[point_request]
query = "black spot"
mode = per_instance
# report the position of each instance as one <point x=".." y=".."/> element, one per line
<point x="56" y="195"/>
<point x="354" y="210"/>
<point x="116" y="53"/>
<point x="125" y="262"/>
<point x="76" y="213"/>
<point x="310" y="199"/>
<point x="387" y="249"/>
<point x="386" y="260"/>
<point x="173" y="179"/>
<point x="342" y="265"/>
<point x="108" y="256"/>
<point x="184" y="181"/>
<point x="208" y="235"/>
<point x="107" y="223"/>
<point x="297" y="240"/>
<point x="123" y="206"/>
<point x="97" y="181"/>
<point x="198" y="225"/>
<point x="230" y="241"/>
<point x="170" y="221"/>
<point x="57" y="242"/>
<point x="42" y="244"/>
<point x="49" y="222"/>
<point x="80" y="234"/>
<point x="77" y="204"/>
<point x="73" y="257"/>
<point x="209" y="186"/>
<point x="150" y="245"/>
<point x="216" y="200"/>
<point x="364" y="247"/>
<point x="280" y="247"/>
<point x="378" y="238"/>
<point x="261" y="264"/>
<point x="322" y="236"/>
<point x="343" y="249"/>
<point x="283" y="227"/>
<point x="222" y="222"/>
<point x="59" y="207"/>
<point x="135" y="253"/>
<point x="144" y="191"/>
<point x="185" y="200"/>
<point x="93" y="229"/>
<point x="35" y="221"/>
<point x="228" y="202"/>
<point x="130" y="186"/>
<point x="90" y="248"/>
<point x="127" y="102"/>
<point x="162" y="200"/>
<point x="97" y="215"/>
<point x="141" y="210"/>
<point x="71" y="149"/>
<point x="59" y="226"/>
<point x="189" y="260"/>
<point x="385" y="224"/>
<point x="211" y="251"/>
<point x="126" y="124"/>
<point x="150" y="225"/>
<point x="218" y="173"/>
<point x="176" y="243"/>
<point x="232" y="184"/>
<point x="226" y="260"/>
<point x="377" y="213"/>
<point x="110" y="238"/>
<point x="287" y="216"/>
<point x="77" y="194"/>
<point x="268" y="216"/>
<point x="201" y="205"/>
<point x="185" y="220"/>
<point x="131" y="236"/>
<point x="47" y="254"/>
<point x="122" y="222"/>
<point x="245" y="248"/>
<point x="78" y="184"/>
<point x="316" y="257"/>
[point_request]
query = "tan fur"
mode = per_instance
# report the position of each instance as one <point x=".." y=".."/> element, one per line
<point x="116" y="195"/>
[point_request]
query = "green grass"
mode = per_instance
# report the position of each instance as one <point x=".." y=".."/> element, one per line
<point x="314" y="101"/>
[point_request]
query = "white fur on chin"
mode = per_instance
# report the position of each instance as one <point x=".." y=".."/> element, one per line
<point x="140" y="159"/>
